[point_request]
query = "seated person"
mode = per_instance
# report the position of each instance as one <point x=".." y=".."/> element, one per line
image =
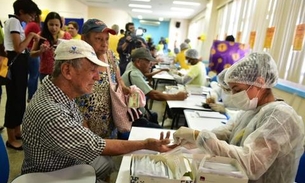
<point x="180" y="57"/>
<point x="266" y="137"/>
<point x="223" y="92"/>
<point x="196" y="75"/>
<point x="53" y="135"/>
<point x="141" y="64"/>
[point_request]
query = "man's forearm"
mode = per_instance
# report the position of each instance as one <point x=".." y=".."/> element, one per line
<point x="118" y="147"/>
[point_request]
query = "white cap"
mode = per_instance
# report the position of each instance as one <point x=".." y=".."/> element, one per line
<point x="72" y="49"/>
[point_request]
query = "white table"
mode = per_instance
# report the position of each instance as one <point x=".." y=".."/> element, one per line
<point x="162" y="76"/>
<point x="200" y="123"/>
<point x="138" y="133"/>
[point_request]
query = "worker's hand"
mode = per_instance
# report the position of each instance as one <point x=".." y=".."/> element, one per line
<point x="184" y="135"/>
<point x="161" y="145"/>
<point x="181" y="95"/>
<point x="218" y="108"/>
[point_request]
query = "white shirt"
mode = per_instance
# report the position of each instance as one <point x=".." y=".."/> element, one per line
<point x="12" y="25"/>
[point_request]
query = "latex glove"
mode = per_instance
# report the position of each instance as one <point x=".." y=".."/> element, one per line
<point x="218" y="107"/>
<point x="184" y="136"/>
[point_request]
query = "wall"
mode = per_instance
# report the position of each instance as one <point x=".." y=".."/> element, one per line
<point x="155" y="32"/>
<point x="79" y="10"/>
<point x="177" y="34"/>
<point x="110" y="16"/>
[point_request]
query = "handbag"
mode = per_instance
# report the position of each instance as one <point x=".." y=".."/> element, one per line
<point x="5" y="72"/>
<point x="123" y="116"/>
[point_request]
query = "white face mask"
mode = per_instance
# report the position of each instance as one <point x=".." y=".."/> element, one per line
<point x="242" y="101"/>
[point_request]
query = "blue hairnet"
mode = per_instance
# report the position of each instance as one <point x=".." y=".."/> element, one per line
<point x="250" y="68"/>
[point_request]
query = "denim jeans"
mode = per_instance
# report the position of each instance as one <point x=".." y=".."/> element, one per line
<point x="33" y="76"/>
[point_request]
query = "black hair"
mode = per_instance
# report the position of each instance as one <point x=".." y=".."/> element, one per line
<point x="45" y="30"/>
<point x="122" y="31"/>
<point x="127" y="25"/>
<point x="75" y="24"/>
<point x="230" y="38"/>
<point x="27" y="6"/>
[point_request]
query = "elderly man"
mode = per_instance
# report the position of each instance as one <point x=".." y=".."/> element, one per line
<point x="53" y="135"/>
<point x="141" y="64"/>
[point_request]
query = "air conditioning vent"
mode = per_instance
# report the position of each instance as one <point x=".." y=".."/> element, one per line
<point x="150" y="22"/>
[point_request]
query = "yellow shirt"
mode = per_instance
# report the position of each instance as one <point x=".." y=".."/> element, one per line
<point x="113" y="44"/>
<point x="198" y="74"/>
<point x="78" y="36"/>
<point x="180" y="58"/>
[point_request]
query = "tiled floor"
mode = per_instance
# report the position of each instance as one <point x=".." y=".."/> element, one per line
<point x="16" y="157"/>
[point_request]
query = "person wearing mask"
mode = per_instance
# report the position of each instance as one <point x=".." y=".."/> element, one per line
<point x="54" y="119"/>
<point x="128" y="43"/>
<point x="51" y="30"/>
<point x="15" y="43"/>
<point x="266" y="137"/>
<point x="180" y="57"/>
<point x="73" y="29"/>
<point x="196" y="75"/>
<point x="223" y="92"/>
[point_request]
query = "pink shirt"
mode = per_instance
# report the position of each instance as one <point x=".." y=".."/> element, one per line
<point x="47" y="57"/>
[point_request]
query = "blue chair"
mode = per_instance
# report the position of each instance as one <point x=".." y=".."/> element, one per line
<point x="4" y="162"/>
<point x="300" y="178"/>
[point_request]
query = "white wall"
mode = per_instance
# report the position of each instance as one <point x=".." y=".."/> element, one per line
<point x="66" y="8"/>
<point x="178" y="34"/>
<point x="110" y="16"/>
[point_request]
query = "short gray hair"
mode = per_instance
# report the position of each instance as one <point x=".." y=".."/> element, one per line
<point x="76" y="63"/>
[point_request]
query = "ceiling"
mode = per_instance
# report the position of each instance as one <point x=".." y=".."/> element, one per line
<point x="159" y="8"/>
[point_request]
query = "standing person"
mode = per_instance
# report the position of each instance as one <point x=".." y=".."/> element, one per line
<point x="51" y="30"/>
<point x="114" y="40"/>
<point x="267" y="138"/>
<point x="15" y="43"/>
<point x="128" y="43"/>
<point x="196" y="75"/>
<point x="53" y="135"/>
<point x="73" y="28"/>
<point x="2" y="55"/>
<point x="96" y="106"/>
<point x="33" y="26"/>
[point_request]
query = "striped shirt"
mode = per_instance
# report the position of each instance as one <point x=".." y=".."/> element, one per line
<point x="53" y="135"/>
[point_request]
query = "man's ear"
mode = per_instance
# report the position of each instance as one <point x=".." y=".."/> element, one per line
<point x="66" y="71"/>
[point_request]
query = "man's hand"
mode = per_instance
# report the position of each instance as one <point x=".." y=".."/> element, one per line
<point x="161" y="145"/>
<point x="126" y="90"/>
<point x="181" y="95"/>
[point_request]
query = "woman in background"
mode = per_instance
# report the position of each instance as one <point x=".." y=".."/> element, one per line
<point x="51" y="30"/>
<point x="15" y="43"/>
<point x="33" y="70"/>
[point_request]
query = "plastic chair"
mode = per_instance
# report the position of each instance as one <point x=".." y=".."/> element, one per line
<point x="76" y="174"/>
<point x="4" y="162"/>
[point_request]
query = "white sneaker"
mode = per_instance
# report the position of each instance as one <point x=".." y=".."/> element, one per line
<point x="168" y="122"/>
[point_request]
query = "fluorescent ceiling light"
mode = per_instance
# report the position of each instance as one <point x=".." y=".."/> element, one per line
<point x="139" y="6"/>
<point x="140" y="17"/>
<point x="141" y="10"/>
<point x="186" y="3"/>
<point x="141" y="0"/>
<point x="161" y="19"/>
<point x="182" y="9"/>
